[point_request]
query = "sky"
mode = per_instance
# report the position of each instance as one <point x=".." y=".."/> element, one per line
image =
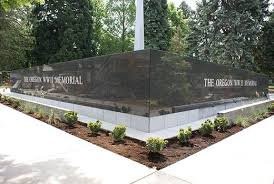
<point x="192" y="3"/>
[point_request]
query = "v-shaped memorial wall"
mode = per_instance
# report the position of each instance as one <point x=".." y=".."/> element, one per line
<point x="145" y="83"/>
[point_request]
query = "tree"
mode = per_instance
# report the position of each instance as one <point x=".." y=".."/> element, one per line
<point x="179" y="29"/>
<point x="15" y="38"/>
<point x="188" y="12"/>
<point x="99" y="15"/>
<point x="157" y="30"/>
<point x="63" y="31"/>
<point x="227" y="32"/>
<point x="7" y="5"/>
<point x="119" y="26"/>
<point x="264" y="53"/>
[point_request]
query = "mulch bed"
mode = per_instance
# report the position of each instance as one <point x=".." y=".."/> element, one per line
<point x="136" y="150"/>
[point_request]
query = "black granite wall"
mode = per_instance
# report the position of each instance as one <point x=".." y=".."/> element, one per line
<point x="146" y="83"/>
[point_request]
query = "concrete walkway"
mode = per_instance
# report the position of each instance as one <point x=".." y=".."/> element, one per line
<point x="33" y="152"/>
<point x="244" y="158"/>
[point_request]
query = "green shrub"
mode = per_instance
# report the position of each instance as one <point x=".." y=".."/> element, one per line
<point x="52" y="119"/>
<point x="94" y="126"/>
<point x="71" y="117"/>
<point x="242" y="121"/>
<point x="14" y="103"/>
<point x="206" y="128"/>
<point x="184" y="135"/>
<point x="119" y="133"/>
<point x="221" y="124"/>
<point x="39" y="113"/>
<point x="28" y="109"/>
<point x="156" y="145"/>
<point x="271" y="108"/>
<point x="9" y="100"/>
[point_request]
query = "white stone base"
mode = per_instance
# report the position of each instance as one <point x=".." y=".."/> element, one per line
<point x="134" y="122"/>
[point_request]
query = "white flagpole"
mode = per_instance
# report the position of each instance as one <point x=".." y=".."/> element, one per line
<point x="139" y="26"/>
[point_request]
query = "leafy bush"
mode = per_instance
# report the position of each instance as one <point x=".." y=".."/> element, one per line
<point x="9" y="100"/>
<point x="52" y="119"/>
<point x="156" y="145"/>
<point x="221" y="124"/>
<point x="71" y="117"/>
<point x="28" y="109"/>
<point x="15" y="103"/>
<point x="271" y="108"/>
<point x="242" y="121"/>
<point x="40" y="114"/>
<point x="184" y="135"/>
<point x="94" y="126"/>
<point x="119" y="133"/>
<point x="206" y="128"/>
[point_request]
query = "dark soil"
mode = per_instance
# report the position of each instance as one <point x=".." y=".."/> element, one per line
<point x="136" y="150"/>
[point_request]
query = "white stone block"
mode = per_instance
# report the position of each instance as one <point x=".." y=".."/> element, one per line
<point x="99" y="113"/>
<point x="170" y="120"/>
<point x="182" y="118"/>
<point x="219" y="108"/>
<point x="139" y="123"/>
<point x="110" y="116"/>
<point x="123" y="119"/>
<point x="193" y="115"/>
<point x="157" y="123"/>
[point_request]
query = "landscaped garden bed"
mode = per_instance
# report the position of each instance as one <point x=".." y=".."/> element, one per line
<point x="156" y="152"/>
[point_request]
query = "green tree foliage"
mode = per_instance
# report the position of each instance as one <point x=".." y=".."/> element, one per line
<point x="179" y="29"/>
<point x="99" y="14"/>
<point x="226" y="32"/>
<point x="7" y="5"/>
<point x="264" y="53"/>
<point x="188" y="12"/>
<point x="63" y="31"/>
<point x="157" y="30"/>
<point x="119" y="26"/>
<point x="15" y="40"/>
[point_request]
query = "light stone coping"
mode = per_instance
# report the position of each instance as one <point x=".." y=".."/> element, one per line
<point x="245" y="106"/>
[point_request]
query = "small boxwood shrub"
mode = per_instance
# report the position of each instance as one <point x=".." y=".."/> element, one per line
<point x="206" y="128"/>
<point x="221" y="124"/>
<point x="156" y="145"/>
<point x="39" y="114"/>
<point x="271" y="108"/>
<point x="71" y="117"/>
<point x="52" y="118"/>
<point x="94" y="126"/>
<point x="242" y="121"/>
<point x="184" y="135"/>
<point x="119" y="133"/>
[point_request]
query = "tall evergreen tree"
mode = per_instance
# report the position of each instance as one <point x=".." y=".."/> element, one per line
<point x="63" y="31"/>
<point x="188" y="12"/>
<point x="227" y="32"/>
<point x="264" y="53"/>
<point x="157" y="30"/>
<point x="15" y="39"/>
